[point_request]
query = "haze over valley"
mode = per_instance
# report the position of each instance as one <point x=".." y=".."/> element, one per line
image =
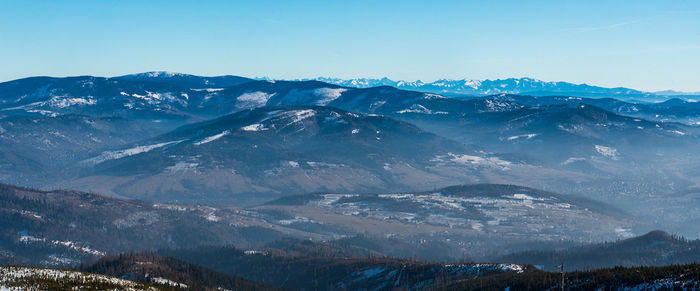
<point x="349" y="145"/>
<point x="257" y="164"/>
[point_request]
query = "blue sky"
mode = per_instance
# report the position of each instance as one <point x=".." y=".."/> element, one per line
<point x="647" y="45"/>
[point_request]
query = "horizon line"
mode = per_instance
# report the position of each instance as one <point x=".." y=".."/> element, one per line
<point x="347" y="79"/>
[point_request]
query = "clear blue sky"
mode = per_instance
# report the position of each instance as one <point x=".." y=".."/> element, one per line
<point x="647" y="45"/>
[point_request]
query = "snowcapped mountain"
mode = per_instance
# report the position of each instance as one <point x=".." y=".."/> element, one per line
<point x="527" y="86"/>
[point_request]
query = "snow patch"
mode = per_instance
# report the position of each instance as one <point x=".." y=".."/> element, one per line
<point x="11" y="276"/>
<point x="182" y="167"/>
<point x="476" y="160"/>
<point x="493" y="105"/>
<point x="26" y="238"/>
<point x="294" y="116"/>
<point x="63" y="101"/>
<point x="296" y="219"/>
<point x="212" y="138"/>
<point x="211" y="216"/>
<point x="572" y="160"/>
<point x="113" y="155"/>
<point x="254" y="127"/>
<point x="511" y="268"/>
<point x="255" y="252"/>
<point x="607" y="151"/>
<point x="210" y="90"/>
<point x="522" y="136"/>
<point x="253" y="100"/>
<point x="433" y="96"/>
<point x="163" y="281"/>
<point x="417" y="108"/>
<point x="678" y="132"/>
<point x="328" y="95"/>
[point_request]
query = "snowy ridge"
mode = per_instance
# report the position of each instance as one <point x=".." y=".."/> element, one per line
<point x="28" y="278"/>
<point x="25" y="238"/>
<point x="65" y="101"/>
<point x="607" y="151"/>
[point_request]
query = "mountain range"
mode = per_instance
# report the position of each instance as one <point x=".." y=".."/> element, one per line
<point x="214" y="182"/>
<point x="525" y="86"/>
<point x="230" y="140"/>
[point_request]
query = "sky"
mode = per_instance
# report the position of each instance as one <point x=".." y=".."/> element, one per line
<point x="645" y="45"/>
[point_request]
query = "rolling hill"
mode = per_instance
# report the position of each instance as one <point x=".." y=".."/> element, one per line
<point x="260" y="154"/>
<point x="33" y="278"/>
<point x="656" y="248"/>
<point x="169" y="272"/>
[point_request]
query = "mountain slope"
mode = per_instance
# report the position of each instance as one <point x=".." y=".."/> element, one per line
<point x="164" y="271"/>
<point x="656" y="248"/>
<point x="430" y="225"/>
<point x="32" y="278"/>
<point x="45" y="148"/>
<point x="676" y="110"/>
<point x="279" y="151"/>
<point x="339" y="273"/>
<point x="675" y="277"/>
<point x="602" y="148"/>
<point x="167" y="103"/>
<point x="63" y="228"/>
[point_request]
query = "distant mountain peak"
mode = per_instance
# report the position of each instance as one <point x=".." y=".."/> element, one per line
<point x="158" y="74"/>
<point x="522" y="85"/>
